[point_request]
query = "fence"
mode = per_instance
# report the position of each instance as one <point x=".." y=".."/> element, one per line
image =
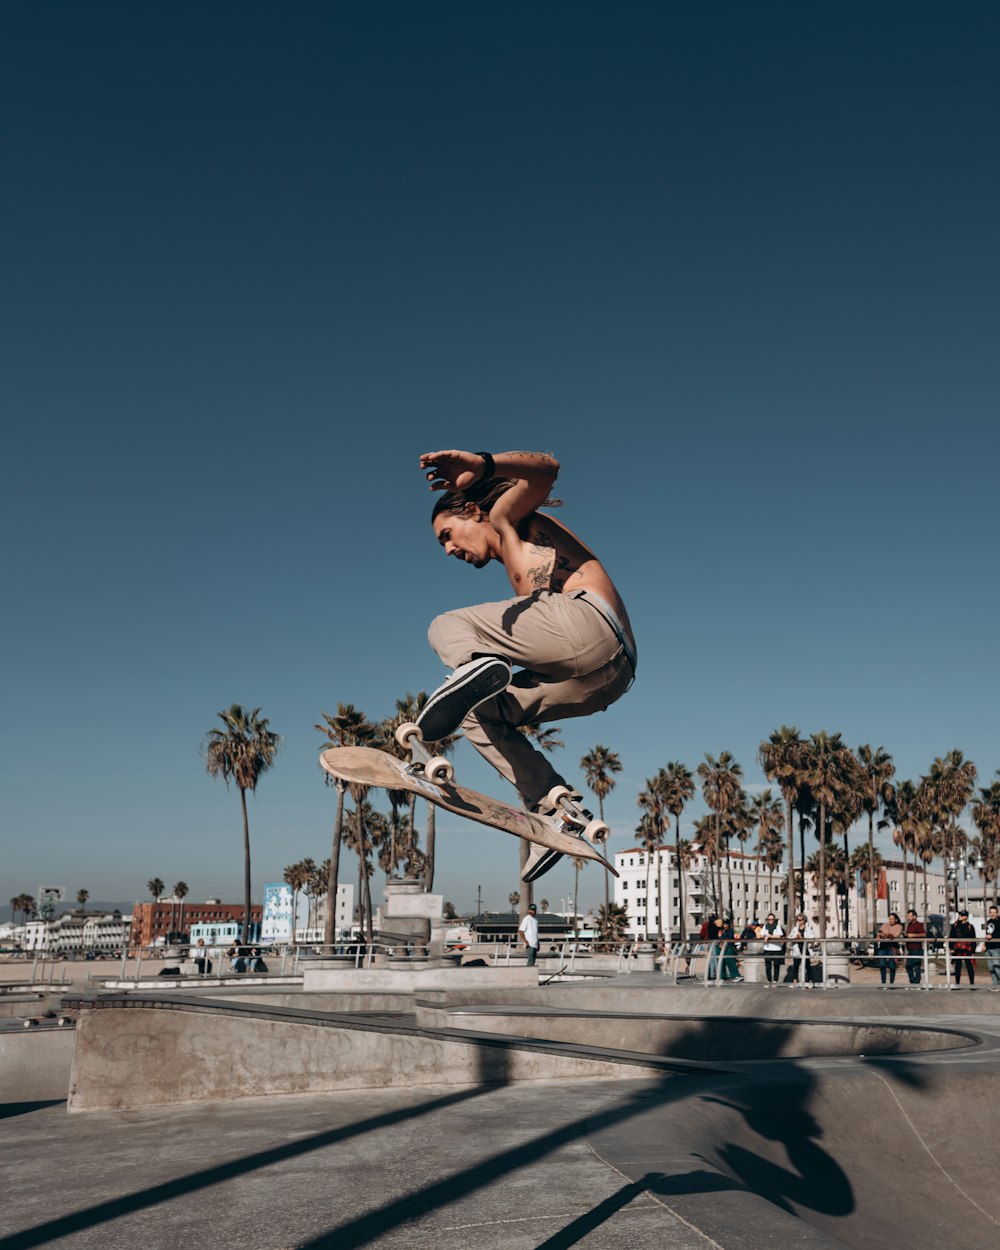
<point x="826" y="961"/>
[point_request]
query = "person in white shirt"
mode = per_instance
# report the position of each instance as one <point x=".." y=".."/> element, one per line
<point x="774" y="954"/>
<point x="528" y="929"/>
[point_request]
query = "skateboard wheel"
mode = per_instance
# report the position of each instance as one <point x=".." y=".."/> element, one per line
<point x="597" y="832"/>
<point x="439" y="770"/>
<point x="408" y="732"/>
<point x="556" y="795"/>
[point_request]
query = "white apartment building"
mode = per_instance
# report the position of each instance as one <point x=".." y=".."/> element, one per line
<point x="749" y="891"/>
<point x="647" y="880"/>
<point x="75" y="933"/>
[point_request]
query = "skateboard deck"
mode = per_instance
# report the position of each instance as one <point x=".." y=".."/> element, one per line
<point x="371" y="767"/>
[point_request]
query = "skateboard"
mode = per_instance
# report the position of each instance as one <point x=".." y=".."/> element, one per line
<point x="433" y="777"/>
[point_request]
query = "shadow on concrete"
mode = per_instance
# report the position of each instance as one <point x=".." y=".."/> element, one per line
<point x="771" y="1101"/>
<point x="9" y="1109"/>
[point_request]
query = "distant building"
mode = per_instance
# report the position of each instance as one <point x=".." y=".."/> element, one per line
<point x="309" y="920"/>
<point x="649" y="882"/>
<point x="153" y="922"/>
<point x="76" y="932"/>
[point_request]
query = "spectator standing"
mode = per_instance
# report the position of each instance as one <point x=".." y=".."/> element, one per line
<point x="992" y="933"/>
<point x="528" y="930"/>
<point x="962" y="940"/>
<point x="773" y="935"/>
<point x="713" y="927"/>
<point x="727" y="937"/>
<point x="915" y="935"/>
<point x="800" y="935"/>
<point x="888" y="947"/>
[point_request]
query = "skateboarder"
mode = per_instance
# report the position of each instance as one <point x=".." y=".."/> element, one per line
<point x="566" y="630"/>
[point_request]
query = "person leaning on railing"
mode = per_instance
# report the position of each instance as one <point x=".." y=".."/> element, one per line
<point x="774" y="955"/>
<point x="888" y="947"/>
<point x="916" y="935"/>
<point x="962" y="940"/>
<point x="992" y="935"/>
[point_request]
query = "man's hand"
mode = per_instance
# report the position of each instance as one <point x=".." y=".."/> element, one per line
<point x="452" y="470"/>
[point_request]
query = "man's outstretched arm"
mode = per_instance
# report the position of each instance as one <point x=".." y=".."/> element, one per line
<point x="532" y="472"/>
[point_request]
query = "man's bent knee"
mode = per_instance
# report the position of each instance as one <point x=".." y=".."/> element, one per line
<point x="443" y="633"/>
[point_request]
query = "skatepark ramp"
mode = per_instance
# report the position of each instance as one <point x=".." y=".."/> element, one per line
<point x="886" y="1152"/>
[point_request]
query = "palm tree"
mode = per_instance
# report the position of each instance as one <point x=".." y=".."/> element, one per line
<point x="82" y="896"/>
<point x="867" y="867"/>
<point x="780" y="757"/>
<point x="986" y="817"/>
<point x="366" y="832"/>
<point x="156" y="888"/>
<point x="513" y="898"/>
<point x="24" y="904"/>
<point x="612" y="921"/>
<point x="598" y="767"/>
<point x="878" y="771"/>
<point x="678" y="788"/>
<point x="316" y="885"/>
<point x="408" y="709"/>
<point x="578" y="863"/>
<point x="242" y="751"/>
<point x="684" y="857"/>
<point x="723" y="794"/>
<point x="295" y="876"/>
<point x="652" y="829"/>
<point x="825" y="770"/>
<point x="181" y="892"/>
<point x="767" y="817"/>
<point x="348" y="728"/>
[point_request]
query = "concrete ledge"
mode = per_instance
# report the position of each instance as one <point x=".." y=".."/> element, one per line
<point x="724" y="1039"/>
<point x="413" y="979"/>
<point x="132" y="1052"/>
<point x="35" y="1064"/>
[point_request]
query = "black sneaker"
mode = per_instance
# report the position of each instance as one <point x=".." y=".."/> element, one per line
<point x="468" y="686"/>
<point x="540" y="860"/>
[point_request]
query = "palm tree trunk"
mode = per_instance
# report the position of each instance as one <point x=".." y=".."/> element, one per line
<point x="790" y="892"/>
<point x="607" y="897"/>
<point x="246" y="866"/>
<point x="429" y="852"/>
<point x="659" y="894"/>
<point x="822" y="869"/>
<point x="871" y="867"/>
<point x="802" y="860"/>
<point x="680" y="877"/>
<point x="330" y="923"/>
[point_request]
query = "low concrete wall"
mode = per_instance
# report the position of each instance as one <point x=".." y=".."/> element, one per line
<point x="35" y="1064"/>
<point x="705" y="1040"/>
<point x="143" y="1055"/>
<point x="411" y="980"/>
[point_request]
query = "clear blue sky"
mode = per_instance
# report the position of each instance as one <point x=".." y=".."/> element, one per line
<point x="736" y="265"/>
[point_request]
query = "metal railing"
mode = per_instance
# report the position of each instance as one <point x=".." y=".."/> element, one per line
<point x="823" y="962"/>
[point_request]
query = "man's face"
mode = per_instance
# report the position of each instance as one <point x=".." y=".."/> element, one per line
<point x="465" y="536"/>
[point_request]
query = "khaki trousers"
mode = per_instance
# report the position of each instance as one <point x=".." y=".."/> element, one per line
<point x="571" y="664"/>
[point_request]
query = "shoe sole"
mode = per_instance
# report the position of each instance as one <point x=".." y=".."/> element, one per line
<point x="445" y="714"/>
<point x="542" y="866"/>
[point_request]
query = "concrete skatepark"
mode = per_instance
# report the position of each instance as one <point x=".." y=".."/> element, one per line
<point x="501" y="1111"/>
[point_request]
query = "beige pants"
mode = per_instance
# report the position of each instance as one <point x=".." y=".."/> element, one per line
<point x="572" y="664"/>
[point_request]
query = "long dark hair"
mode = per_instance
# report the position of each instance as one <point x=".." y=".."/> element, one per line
<point x="483" y="494"/>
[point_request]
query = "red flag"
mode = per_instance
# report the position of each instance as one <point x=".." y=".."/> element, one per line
<point x="883" y="885"/>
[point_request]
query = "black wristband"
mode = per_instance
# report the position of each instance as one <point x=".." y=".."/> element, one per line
<point x="489" y="469"/>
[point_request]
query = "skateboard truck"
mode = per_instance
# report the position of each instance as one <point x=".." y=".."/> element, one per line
<point x="562" y="806"/>
<point x="422" y="764"/>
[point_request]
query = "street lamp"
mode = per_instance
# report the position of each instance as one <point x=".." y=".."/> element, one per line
<point x="958" y="870"/>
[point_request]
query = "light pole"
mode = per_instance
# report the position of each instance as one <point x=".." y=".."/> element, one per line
<point x="958" y="870"/>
